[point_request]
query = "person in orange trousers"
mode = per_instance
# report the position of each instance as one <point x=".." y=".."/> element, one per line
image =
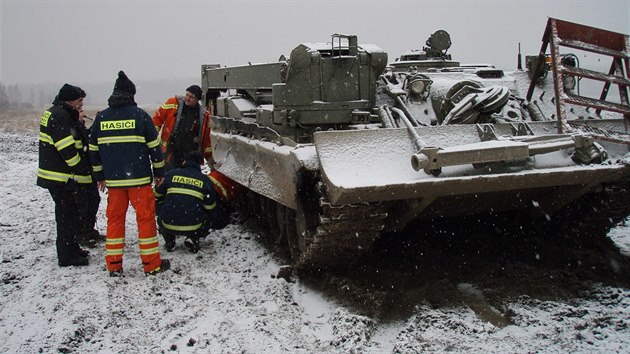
<point x="126" y="155"/>
<point x="142" y="200"/>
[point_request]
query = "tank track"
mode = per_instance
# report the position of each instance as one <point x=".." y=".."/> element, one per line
<point x="344" y="233"/>
<point x="593" y="215"/>
<point x="335" y="236"/>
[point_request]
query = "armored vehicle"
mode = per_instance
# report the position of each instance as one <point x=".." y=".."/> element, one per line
<point x="333" y="146"/>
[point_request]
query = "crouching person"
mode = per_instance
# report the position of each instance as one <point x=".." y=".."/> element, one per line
<point x="188" y="205"/>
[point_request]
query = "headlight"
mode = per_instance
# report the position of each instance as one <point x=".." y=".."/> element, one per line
<point x="417" y="87"/>
<point x="568" y="82"/>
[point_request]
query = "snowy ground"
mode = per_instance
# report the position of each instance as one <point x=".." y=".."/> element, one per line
<point x="227" y="298"/>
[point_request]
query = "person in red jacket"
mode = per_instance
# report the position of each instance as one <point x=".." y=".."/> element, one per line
<point x="184" y="127"/>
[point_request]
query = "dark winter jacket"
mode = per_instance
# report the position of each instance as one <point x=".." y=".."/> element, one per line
<point x="187" y="200"/>
<point x="124" y="145"/>
<point x="63" y="157"/>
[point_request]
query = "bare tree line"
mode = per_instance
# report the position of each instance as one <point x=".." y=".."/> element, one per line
<point x="36" y="96"/>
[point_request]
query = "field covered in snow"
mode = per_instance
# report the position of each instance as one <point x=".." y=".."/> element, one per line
<point x="228" y="297"/>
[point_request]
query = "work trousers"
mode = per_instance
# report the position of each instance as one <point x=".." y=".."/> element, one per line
<point x="200" y="233"/>
<point x="89" y="200"/>
<point x="67" y="222"/>
<point x="143" y="201"/>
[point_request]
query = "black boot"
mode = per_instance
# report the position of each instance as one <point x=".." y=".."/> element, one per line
<point x="165" y="265"/>
<point x="169" y="242"/>
<point x="70" y="254"/>
<point x="116" y="273"/>
<point x="89" y="238"/>
<point x="192" y="243"/>
<point x="75" y="261"/>
<point x="80" y="251"/>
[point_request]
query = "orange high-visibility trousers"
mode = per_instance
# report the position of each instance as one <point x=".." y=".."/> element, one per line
<point x="143" y="201"/>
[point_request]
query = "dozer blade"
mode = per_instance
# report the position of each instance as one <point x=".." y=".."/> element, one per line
<point x="375" y="165"/>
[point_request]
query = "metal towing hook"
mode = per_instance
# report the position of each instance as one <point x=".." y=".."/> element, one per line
<point x="426" y="159"/>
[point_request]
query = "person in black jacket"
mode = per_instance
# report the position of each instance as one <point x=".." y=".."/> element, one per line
<point x="63" y="167"/>
<point x="188" y="205"/>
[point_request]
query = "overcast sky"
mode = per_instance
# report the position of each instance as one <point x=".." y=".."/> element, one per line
<point x="89" y="41"/>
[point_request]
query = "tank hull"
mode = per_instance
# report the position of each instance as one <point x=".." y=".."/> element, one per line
<point x="333" y="149"/>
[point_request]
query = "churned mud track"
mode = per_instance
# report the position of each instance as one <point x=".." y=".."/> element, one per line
<point x="481" y="263"/>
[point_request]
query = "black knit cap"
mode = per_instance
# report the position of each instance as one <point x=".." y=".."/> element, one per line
<point x="124" y="84"/>
<point x="195" y="90"/>
<point x="70" y="93"/>
<point x="193" y="158"/>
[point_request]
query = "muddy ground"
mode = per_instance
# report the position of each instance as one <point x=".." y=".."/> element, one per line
<point x="428" y="264"/>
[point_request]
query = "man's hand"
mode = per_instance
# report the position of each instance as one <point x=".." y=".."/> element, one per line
<point x="101" y="186"/>
<point x="81" y="116"/>
<point x="158" y="180"/>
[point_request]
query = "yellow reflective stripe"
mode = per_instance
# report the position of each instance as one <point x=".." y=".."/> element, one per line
<point x="82" y="179"/>
<point x="209" y="207"/>
<point x="169" y="106"/>
<point x="62" y="177"/>
<point x="154" y="143"/>
<point x="93" y="147"/>
<point x="128" y="182"/>
<point x="147" y="240"/>
<point x="74" y="160"/>
<point x="115" y="252"/>
<point x="97" y="168"/>
<point x="159" y="164"/>
<point x="46" y="138"/>
<point x="182" y="228"/>
<point x="65" y="142"/>
<point x="149" y="251"/>
<point x="121" y="139"/>
<point x="78" y="144"/>
<point x="218" y="184"/>
<point x="208" y="149"/>
<point x="158" y="195"/>
<point x="114" y="241"/>
<point x="175" y="190"/>
<point x="53" y="176"/>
